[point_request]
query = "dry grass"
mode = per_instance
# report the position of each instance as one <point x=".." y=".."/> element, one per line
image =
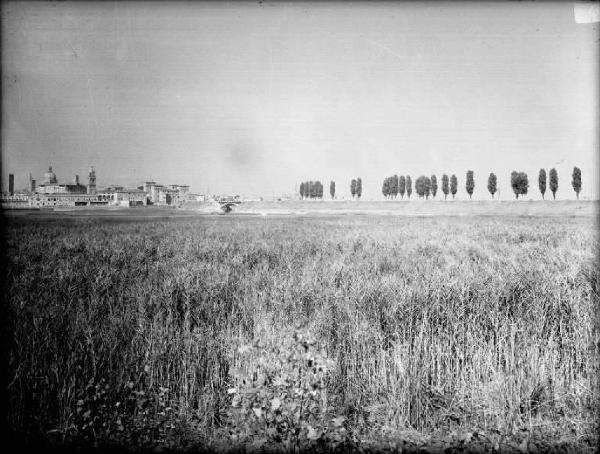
<point x="127" y="332"/>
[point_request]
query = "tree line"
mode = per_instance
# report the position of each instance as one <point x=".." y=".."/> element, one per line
<point x="314" y="189"/>
<point x="427" y="186"/>
<point x="356" y="188"/>
<point x="424" y="186"/>
<point x="311" y="190"/>
<point x="520" y="183"/>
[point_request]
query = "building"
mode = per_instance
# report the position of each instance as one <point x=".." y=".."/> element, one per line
<point x="49" y="177"/>
<point x="173" y="194"/>
<point x="50" y="193"/>
<point x="67" y="188"/>
<point x="130" y="197"/>
<point x="126" y="197"/>
<point x="181" y="189"/>
<point x="11" y="184"/>
<point x="50" y="185"/>
<point x="114" y="188"/>
<point x="91" y="188"/>
<point x="154" y="193"/>
<point x="168" y="196"/>
<point x="14" y="201"/>
<point x="148" y="185"/>
<point x="43" y="200"/>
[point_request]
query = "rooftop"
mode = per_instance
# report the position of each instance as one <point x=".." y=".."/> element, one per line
<point x="130" y="190"/>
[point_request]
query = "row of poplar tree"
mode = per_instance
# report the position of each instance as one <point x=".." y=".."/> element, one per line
<point x="311" y="190"/>
<point x="426" y="186"/>
<point x="314" y="189"/>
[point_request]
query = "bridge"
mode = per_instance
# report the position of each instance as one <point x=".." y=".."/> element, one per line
<point x="227" y="203"/>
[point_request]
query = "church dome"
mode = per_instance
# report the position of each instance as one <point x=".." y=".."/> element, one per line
<point x="49" y="176"/>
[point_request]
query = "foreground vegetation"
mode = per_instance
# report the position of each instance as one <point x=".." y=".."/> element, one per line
<point x="304" y="332"/>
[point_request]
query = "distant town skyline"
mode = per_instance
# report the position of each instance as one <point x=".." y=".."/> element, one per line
<point x="254" y="98"/>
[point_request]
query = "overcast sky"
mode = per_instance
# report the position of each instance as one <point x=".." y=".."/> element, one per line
<point x="253" y="98"/>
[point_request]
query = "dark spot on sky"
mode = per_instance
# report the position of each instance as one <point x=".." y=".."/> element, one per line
<point x="243" y="155"/>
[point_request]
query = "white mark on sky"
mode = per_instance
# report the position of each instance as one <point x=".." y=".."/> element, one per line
<point x="586" y="12"/>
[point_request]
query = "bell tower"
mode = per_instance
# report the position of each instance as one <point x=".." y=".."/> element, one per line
<point x="91" y="188"/>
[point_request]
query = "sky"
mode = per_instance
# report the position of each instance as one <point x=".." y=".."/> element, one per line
<point x="253" y="98"/>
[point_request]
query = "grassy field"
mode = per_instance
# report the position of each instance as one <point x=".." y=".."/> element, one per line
<point x="300" y="332"/>
<point x="422" y="207"/>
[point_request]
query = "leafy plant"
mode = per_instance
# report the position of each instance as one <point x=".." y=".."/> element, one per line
<point x="279" y="396"/>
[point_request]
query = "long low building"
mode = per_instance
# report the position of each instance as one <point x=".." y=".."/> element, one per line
<point x="14" y="201"/>
<point x="67" y="188"/>
<point x="65" y="200"/>
<point x="126" y="197"/>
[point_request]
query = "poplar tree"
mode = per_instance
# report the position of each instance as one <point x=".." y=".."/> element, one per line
<point x="434" y="186"/>
<point x="553" y="182"/>
<point x="402" y="186"/>
<point x="385" y="188"/>
<point x="453" y="185"/>
<point x="576" y="181"/>
<point x="445" y="188"/>
<point x="470" y="183"/>
<point x="492" y="183"/>
<point x="420" y="186"/>
<point x="542" y="182"/>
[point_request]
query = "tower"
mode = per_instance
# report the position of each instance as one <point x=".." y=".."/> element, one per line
<point x="91" y="189"/>
<point x="31" y="184"/>
<point x="11" y="184"/>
